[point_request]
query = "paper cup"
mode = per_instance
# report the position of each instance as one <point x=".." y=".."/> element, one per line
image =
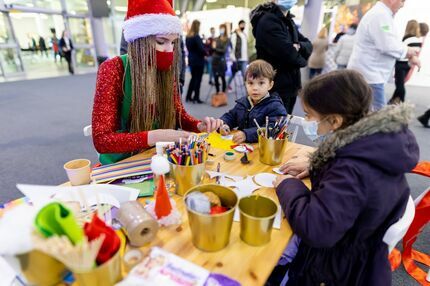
<point x="78" y="171"/>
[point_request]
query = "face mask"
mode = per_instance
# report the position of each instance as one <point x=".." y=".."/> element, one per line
<point x="287" y="4"/>
<point x="242" y="29"/>
<point x="311" y="130"/>
<point x="164" y="60"/>
<point x="221" y="32"/>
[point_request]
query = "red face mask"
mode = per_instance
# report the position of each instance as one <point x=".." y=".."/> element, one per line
<point x="164" y="60"/>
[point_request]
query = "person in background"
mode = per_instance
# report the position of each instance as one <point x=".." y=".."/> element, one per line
<point x="339" y="35"/>
<point x="344" y="47"/>
<point x="196" y="61"/>
<point x="359" y="188"/>
<point x="219" y="66"/>
<point x="377" y="47"/>
<point x="402" y="68"/>
<point x="42" y="46"/>
<point x="137" y="101"/>
<point x="279" y="42"/>
<point x="239" y="50"/>
<point x="425" y="117"/>
<point x="209" y="51"/>
<point x="317" y="59"/>
<point x="256" y="106"/>
<point x="66" y="47"/>
<point x="54" y="43"/>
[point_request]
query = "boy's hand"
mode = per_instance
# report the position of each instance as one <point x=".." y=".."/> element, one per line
<point x="224" y="130"/>
<point x="239" y="137"/>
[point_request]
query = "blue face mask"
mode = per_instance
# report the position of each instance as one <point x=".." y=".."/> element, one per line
<point x="287" y="4"/>
<point x="311" y="130"/>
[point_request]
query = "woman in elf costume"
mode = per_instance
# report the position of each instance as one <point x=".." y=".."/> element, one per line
<point x="137" y="101"/>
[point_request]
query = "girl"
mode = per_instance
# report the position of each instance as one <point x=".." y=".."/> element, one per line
<point x="358" y="181"/>
<point x="137" y="100"/>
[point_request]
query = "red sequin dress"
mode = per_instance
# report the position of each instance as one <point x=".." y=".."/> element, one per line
<point x="106" y="113"/>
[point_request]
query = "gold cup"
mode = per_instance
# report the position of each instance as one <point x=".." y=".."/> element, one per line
<point x="187" y="177"/>
<point x="271" y="150"/>
<point x="106" y="274"/>
<point x="41" y="269"/>
<point x="212" y="232"/>
<point x="257" y="214"/>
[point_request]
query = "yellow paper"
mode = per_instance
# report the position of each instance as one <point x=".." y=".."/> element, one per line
<point x="216" y="141"/>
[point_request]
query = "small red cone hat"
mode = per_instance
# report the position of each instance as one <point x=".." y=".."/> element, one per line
<point x="162" y="201"/>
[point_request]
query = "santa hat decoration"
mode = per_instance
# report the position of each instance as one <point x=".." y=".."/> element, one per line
<point x="150" y="17"/>
<point x="160" y="166"/>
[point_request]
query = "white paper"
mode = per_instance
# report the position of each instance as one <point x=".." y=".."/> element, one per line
<point x="107" y="194"/>
<point x="265" y="179"/>
<point x="213" y="174"/>
<point x="277" y="171"/>
<point x="227" y="137"/>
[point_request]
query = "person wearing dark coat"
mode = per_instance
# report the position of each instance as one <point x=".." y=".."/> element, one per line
<point x="219" y="64"/>
<point x="359" y="188"/>
<point x="196" y="61"/>
<point x="257" y="105"/>
<point x="280" y="43"/>
<point x="66" y="48"/>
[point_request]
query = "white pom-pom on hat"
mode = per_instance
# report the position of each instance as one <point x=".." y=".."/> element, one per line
<point x="159" y="165"/>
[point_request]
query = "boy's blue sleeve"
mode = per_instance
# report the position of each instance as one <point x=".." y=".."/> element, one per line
<point x="230" y="118"/>
<point x="251" y="134"/>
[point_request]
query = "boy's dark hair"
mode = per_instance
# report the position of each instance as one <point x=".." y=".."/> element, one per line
<point x="343" y="92"/>
<point x="260" y="68"/>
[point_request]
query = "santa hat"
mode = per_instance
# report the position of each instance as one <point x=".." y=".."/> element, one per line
<point x="150" y="17"/>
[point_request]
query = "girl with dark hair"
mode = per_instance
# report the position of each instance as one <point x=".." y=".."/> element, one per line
<point x="358" y="181"/>
<point x="137" y="100"/>
<point x="196" y="61"/>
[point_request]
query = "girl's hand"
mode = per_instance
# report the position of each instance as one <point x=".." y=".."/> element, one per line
<point x="209" y="124"/>
<point x="166" y="135"/>
<point x="297" y="167"/>
<point x="239" y="137"/>
<point x="279" y="180"/>
<point x="224" y="130"/>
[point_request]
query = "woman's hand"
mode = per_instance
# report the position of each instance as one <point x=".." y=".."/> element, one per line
<point x="279" y="180"/>
<point x="297" y="167"/>
<point x="239" y="137"/>
<point x="224" y="130"/>
<point x="209" y="124"/>
<point x="166" y="135"/>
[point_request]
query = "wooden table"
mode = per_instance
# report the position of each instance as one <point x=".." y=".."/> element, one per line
<point x="247" y="264"/>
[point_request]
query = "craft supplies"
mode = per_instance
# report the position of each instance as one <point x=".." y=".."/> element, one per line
<point x="115" y="171"/>
<point x="138" y="224"/>
<point x="131" y="258"/>
<point x="214" y="199"/>
<point x="244" y="159"/>
<point x="56" y="219"/>
<point x="217" y="141"/>
<point x="193" y="152"/>
<point x="271" y="150"/>
<point x="229" y="156"/>
<point x="212" y="232"/>
<point x="218" y="169"/>
<point x="278" y="131"/>
<point x="265" y="179"/>
<point x="198" y="202"/>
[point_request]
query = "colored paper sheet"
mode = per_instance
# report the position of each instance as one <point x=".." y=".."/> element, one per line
<point x="219" y="142"/>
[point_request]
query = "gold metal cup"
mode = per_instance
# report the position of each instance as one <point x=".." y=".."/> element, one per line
<point x="187" y="177"/>
<point x="106" y="274"/>
<point x="212" y="232"/>
<point x="257" y="214"/>
<point x="271" y="150"/>
<point x="41" y="269"/>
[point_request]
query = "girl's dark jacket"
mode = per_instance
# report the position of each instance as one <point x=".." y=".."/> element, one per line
<point x="358" y="190"/>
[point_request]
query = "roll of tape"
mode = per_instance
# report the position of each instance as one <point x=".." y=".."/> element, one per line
<point x="138" y="224"/>
<point x="229" y="156"/>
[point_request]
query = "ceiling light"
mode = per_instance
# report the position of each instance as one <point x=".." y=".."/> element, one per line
<point x="211" y="1"/>
<point x="121" y="8"/>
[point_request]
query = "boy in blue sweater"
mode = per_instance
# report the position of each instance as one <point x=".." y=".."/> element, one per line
<point x="257" y="105"/>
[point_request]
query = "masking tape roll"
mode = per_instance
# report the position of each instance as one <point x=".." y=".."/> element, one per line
<point x="229" y="156"/>
<point x="138" y="224"/>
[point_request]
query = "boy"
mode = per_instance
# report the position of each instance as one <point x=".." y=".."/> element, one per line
<point x="257" y="105"/>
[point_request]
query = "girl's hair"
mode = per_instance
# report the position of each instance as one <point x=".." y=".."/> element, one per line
<point x="195" y="28"/>
<point x="322" y="33"/>
<point x="424" y="29"/>
<point x="260" y="68"/>
<point x="152" y="103"/>
<point x="343" y="92"/>
<point x="412" y="28"/>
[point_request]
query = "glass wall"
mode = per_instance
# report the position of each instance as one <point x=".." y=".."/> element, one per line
<point x="10" y="60"/>
<point x="47" y="4"/>
<point x="80" y="29"/>
<point x="5" y="33"/>
<point x="76" y="7"/>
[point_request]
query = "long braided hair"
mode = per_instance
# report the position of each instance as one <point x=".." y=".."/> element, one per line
<point x="153" y="91"/>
